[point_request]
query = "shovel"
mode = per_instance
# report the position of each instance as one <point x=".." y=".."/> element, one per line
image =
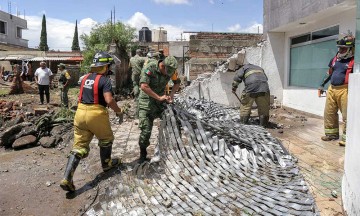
<point x="237" y="96"/>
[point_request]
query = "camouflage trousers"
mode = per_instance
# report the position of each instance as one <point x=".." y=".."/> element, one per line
<point x="146" y="122"/>
<point x="64" y="96"/>
<point x="261" y="99"/>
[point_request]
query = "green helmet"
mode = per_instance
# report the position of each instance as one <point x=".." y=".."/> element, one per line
<point x="171" y="65"/>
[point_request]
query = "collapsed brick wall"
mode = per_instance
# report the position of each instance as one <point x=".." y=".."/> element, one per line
<point x="216" y="47"/>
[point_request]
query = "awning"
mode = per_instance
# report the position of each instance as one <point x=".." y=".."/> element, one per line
<point x="76" y="58"/>
<point x="37" y="59"/>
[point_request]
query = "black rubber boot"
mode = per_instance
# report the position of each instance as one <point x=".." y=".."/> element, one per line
<point x="264" y="120"/>
<point x="244" y="119"/>
<point x="105" y="156"/>
<point x="143" y="154"/>
<point x="67" y="182"/>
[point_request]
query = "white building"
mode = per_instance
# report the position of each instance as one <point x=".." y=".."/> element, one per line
<point x="302" y="35"/>
<point x="159" y="35"/>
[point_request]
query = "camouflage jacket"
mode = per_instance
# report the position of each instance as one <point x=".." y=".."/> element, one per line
<point x="151" y="75"/>
<point x="137" y="63"/>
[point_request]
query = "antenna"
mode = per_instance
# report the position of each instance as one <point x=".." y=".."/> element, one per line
<point x="114" y="14"/>
<point x="9" y="7"/>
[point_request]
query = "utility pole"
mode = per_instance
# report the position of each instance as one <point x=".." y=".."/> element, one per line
<point x="357" y="39"/>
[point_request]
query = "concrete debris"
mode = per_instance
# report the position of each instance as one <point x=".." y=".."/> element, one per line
<point x="210" y="164"/>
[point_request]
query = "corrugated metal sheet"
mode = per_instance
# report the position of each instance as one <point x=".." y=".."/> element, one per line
<point x="50" y="58"/>
<point x="37" y="59"/>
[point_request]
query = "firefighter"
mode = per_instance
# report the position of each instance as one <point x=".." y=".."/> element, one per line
<point x="256" y="89"/>
<point x="92" y="118"/>
<point x="154" y="77"/>
<point x="336" y="99"/>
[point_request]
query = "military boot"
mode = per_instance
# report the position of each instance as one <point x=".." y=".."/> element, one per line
<point x="105" y="156"/>
<point x="264" y="120"/>
<point x="67" y="183"/>
<point x="143" y="154"/>
<point x="244" y="119"/>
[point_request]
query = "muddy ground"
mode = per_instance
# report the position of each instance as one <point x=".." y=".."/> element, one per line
<point x="30" y="177"/>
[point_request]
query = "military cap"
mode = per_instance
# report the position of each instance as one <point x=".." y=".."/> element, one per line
<point x="171" y="64"/>
<point x="62" y="65"/>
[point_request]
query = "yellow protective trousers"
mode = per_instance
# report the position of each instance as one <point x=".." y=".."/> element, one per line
<point x="90" y="120"/>
<point x="336" y="99"/>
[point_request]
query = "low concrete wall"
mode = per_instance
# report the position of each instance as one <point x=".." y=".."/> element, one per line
<point x="350" y="183"/>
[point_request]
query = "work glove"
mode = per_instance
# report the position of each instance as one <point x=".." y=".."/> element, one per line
<point x="120" y="115"/>
<point x="233" y="89"/>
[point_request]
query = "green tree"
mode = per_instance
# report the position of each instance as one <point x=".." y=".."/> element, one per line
<point x="106" y="34"/>
<point x="75" y="44"/>
<point x="43" y="46"/>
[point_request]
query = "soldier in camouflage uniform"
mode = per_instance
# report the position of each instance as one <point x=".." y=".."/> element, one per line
<point x="256" y="89"/>
<point x="154" y="77"/>
<point x="136" y="64"/>
<point x="64" y="82"/>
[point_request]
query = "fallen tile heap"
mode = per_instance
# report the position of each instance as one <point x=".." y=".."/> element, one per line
<point x="207" y="163"/>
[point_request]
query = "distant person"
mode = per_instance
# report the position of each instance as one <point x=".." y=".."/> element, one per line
<point x="64" y="83"/>
<point x="336" y="98"/>
<point x="43" y="77"/>
<point x="256" y="90"/>
<point x="136" y="64"/>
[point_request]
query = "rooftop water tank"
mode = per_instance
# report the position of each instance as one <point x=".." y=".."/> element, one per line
<point x="145" y="35"/>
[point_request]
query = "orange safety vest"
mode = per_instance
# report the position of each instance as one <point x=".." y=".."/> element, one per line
<point x="95" y="88"/>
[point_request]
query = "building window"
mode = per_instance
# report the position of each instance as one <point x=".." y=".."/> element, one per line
<point x="19" y="32"/>
<point x="2" y="27"/>
<point x="309" y="58"/>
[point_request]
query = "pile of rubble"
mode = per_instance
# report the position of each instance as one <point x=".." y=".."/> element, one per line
<point x="20" y="128"/>
<point x="207" y="162"/>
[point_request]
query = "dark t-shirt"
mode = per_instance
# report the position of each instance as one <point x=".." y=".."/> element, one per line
<point x="88" y="91"/>
<point x="339" y="71"/>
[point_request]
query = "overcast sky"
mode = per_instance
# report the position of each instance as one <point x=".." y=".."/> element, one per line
<point x="175" y="16"/>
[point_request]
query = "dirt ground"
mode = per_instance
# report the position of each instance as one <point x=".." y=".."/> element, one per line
<point x="30" y="177"/>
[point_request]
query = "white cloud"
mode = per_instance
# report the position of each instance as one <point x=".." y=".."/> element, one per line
<point x="172" y="1"/>
<point x="139" y="20"/>
<point x="254" y="28"/>
<point x="211" y="2"/>
<point x="60" y="33"/>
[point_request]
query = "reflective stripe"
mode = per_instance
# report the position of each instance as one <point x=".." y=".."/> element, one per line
<point x="105" y="59"/>
<point x="343" y="137"/>
<point x="332" y="131"/>
<point x="251" y="72"/>
<point x="80" y="152"/>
